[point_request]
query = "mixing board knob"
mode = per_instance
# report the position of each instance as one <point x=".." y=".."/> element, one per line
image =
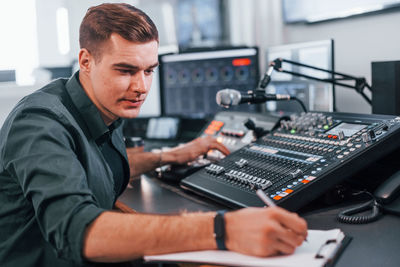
<point x="253" y="186"/>
<point x="265" y="184"/>
<point x="386" y="125"/>
<point x="241" y="163"/>
<point x="215" y="169"/>
<point x="330" y="120"/>
<point x="242" y="181"/>
<point x="285" y="125"/>
<point x="296" y="173"/>
<point x="314" y="122"/>
<point x="261" y="185"/>
<point x="365" y="137"/>
<point x="228" y="175"/>
<point x="341" y="135"/>
<point x="371" y="134"/>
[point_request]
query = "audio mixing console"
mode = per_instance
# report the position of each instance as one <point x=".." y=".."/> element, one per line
<point x="299" y="161"/>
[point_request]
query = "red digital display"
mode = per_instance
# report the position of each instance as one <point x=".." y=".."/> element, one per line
<point x="241" y="62"/>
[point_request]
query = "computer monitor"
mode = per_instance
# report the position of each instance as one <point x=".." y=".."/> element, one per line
<point x="316" y="96"/>
<point x="190" y="81"/>
<point x="7" y="76"/>
<point x="60" y="72"/>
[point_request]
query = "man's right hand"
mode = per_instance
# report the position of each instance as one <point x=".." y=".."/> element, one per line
<point x="264" y="231"/>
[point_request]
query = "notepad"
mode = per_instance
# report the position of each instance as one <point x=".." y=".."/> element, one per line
<point x="320" y="250"/>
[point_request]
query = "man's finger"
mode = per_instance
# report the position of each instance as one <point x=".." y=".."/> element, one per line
<point x="289" y="237"/>
<point x="293" y="222"/>
<point x="283" y="247"/>
<point x="219" y="146"/>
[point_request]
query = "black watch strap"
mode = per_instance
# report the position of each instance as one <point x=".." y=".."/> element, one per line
<point x="219" y="229"/>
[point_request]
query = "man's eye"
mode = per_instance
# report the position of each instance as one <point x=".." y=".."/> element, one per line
<point x="149" y="72"/>
<point x="124" y="71"/>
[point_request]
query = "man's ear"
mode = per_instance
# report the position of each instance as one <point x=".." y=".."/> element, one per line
<point x="85" y="60"/>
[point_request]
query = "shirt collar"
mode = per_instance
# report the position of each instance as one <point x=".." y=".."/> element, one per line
<point x="87" y="110"/>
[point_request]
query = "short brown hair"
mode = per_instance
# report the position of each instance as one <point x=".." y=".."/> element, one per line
<point x="101" y="21"/>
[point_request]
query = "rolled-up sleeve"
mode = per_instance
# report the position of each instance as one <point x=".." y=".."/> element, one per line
<point x="41" y="153"/>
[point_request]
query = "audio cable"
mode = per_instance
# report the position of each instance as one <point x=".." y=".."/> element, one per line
<point x="377" y="210"/>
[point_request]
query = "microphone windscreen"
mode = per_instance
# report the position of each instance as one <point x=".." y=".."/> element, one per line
<point x="228" y="97"/>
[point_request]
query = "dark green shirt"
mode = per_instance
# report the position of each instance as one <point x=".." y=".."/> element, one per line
<point x="54" y="178"/>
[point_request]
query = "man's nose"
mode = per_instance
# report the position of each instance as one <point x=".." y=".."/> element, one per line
<point x="138" y="83"/>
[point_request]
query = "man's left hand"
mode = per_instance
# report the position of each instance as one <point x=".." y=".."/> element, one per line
<point x="192" y="150"/>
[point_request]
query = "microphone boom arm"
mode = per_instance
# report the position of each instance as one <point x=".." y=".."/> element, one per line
<point x="360" y="82"/>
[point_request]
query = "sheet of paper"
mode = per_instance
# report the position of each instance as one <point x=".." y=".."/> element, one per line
<point x="303" y="256"/>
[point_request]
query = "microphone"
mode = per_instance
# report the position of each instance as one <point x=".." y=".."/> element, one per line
<point x="267" y="77"/>
<point x="231" y="97"/>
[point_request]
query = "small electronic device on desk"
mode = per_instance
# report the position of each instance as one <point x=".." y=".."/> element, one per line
<point x="158" y="132"/>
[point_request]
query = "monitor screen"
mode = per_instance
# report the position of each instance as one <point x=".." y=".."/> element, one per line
<point x="7" y="76"/>
<point x="162" y="128"/>
<point x="348" y="129"/>
<point x="316" y="96"/>
<point x="60" y="72"/>
<point x="190" y="81"/>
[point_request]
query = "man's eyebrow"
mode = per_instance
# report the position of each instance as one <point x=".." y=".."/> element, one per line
<point x="154" y="65"/>
<point x="129" y="66"/>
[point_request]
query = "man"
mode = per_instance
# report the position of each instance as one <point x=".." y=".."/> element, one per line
<point x="63" y="165"/>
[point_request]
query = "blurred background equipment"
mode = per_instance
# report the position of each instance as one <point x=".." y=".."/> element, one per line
<point x="189" y="81"/>
<point x="337" y="78"/>
<point x="314" y="94"/>
<point x="386" y="87"/>
<point x="311" y="11"/>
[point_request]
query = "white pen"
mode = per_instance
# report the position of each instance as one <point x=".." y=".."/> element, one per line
<point x="267" y="200"/>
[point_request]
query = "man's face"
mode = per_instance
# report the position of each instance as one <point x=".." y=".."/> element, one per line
<point x="121" y="79"/>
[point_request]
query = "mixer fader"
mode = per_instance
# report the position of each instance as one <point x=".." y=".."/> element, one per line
<point x="300" y="160"/>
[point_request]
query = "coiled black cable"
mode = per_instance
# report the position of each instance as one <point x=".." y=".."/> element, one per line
<point x="377" y="210"/>
<point x="347" y="216"/>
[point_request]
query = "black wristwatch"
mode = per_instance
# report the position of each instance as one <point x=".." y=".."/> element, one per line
<point x="219" y="229"/>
